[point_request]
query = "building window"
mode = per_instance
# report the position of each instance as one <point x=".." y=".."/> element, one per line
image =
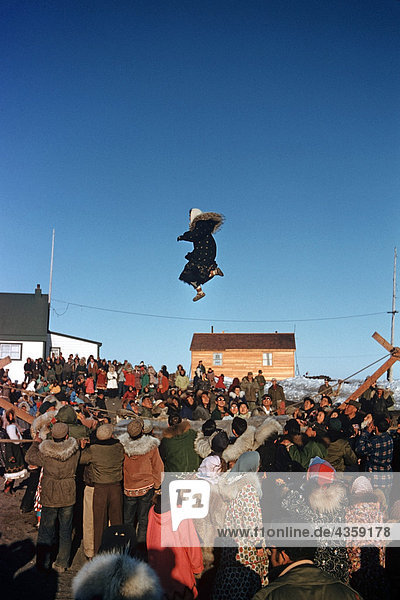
<point x="14" y="351"/>
<point x="54" y="351"/>
<point x="217" y="359"/>
<point x="267" y="359"/>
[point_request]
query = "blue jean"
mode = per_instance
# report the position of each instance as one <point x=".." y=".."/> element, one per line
<point x="47" y="529"/>
<point x="138" y="506"/>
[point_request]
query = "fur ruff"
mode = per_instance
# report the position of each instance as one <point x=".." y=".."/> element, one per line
<point x="326" y="499"/>
<point x="208" y="215"/>
<point x="242" y="444"/>
<point x="175" y="430"/>
<point x="114" y="576"/>
<point x="230" y="484"/>
<point x="138" y="447"/>
<point x="202" y="444"/>
<point x="61" y="451"/>
<point x="268" y="429"/>
<point x="41" y="425"/>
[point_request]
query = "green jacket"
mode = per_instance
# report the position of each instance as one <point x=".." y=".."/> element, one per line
<point x="177" y="449"/>
<point x="306" y="453"/>
<point x="67" y="415"/>
<point x="306" y="582"/>
<point x="340" y="455"/>
<point x="106" y="458"/>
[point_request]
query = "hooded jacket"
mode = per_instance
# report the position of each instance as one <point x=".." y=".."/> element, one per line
<point x="59" y="461"/>
<point x="306" y="582"/>
<point x="67" y="415"/>
<point x="177" y="450"/>
<point x="142" y="463"/>
<point x="243" y="443"/>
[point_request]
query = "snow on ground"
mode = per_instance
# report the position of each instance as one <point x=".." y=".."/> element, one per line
<point x="296" y="388"/>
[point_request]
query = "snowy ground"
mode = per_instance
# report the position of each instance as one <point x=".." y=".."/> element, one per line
<point x="297" y="388"/>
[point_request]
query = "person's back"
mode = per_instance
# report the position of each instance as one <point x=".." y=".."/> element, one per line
<point x="304" y="581"/>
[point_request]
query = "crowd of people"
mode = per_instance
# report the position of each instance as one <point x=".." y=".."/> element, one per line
<point x="97" y="473"/>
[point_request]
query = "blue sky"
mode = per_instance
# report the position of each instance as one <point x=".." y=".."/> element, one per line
<point x="118" y="117"/>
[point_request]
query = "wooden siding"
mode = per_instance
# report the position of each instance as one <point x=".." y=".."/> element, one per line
<point x="237" y="363"/>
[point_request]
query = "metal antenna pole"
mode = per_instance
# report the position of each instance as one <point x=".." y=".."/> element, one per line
<point x="393" y="312"/>
<point x="51" y="265"/>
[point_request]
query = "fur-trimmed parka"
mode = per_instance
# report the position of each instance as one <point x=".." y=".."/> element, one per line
<point x="116" y="577"/>
<point x="242" y="444"/>
<point x="202" y="444"/>
<point x="59" y="461"/>
<point x="142" y="464"/>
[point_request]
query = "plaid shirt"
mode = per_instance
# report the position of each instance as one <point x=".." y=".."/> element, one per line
<point x="379" y="452"/>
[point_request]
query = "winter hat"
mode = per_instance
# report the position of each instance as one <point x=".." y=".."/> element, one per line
<point x="59" y="431"/>
<point x="239" y="426"/>
<point x="116" y="577"/>
<point x="355" y="403"/>
<point x="208" y="427"/>
<point x="135" y="427"/>
<point x="219" y="442"/>
<point x="104" y="432"/>
<point x="320" y="471"/>
<point x="361" y="485"/>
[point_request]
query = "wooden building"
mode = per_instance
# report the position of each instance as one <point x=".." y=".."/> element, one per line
<point x="235" y="354"/>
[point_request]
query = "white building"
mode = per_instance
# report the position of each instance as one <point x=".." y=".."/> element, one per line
<point x="24" y="333"/>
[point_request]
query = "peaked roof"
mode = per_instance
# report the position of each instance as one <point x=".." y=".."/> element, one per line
<point x="241" y="341"/>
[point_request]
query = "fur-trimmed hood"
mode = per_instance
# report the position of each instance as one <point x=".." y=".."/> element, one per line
<point x="202" y="444"/>
<point x="327" y="498"/>
<point x="230" y="484"/>
<point x="115" y="576"/>
<point x="242" y="444"/>
<point x="138" y="447"/>
<point x="41" y="425"/>
<point x="270" y="428"/>
<point x="174" y="430"/>
<point x="61" y="451"/>
<point x="205" y="216"/>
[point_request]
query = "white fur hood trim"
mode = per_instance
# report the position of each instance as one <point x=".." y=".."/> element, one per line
<point x="113" y="576"/>
<point x="242" y="444"/>
<point x="41" y="425"/>
<point x="61" y="451"/>
<point x="138" y="447"/>
<point x="230" y="484"/>
<point x="269" y="428"/>
<point x="202" y="444"/>
<point x="329" y="498"/>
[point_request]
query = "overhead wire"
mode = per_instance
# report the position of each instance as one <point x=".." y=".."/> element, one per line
<point x="180" y="318"/>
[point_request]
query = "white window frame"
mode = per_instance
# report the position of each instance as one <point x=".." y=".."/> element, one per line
<point x="217" y="359"/>
<point x="267" y="359"/>
<point x="56" y="350"/>
<point x="13" y="350"/>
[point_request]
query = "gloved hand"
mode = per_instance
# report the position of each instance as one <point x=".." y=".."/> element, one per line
<point x="179" y="238"/>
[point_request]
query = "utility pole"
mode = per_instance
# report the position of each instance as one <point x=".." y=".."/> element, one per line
<point x="393" y="312"/>
<point x="51" y="265"/>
